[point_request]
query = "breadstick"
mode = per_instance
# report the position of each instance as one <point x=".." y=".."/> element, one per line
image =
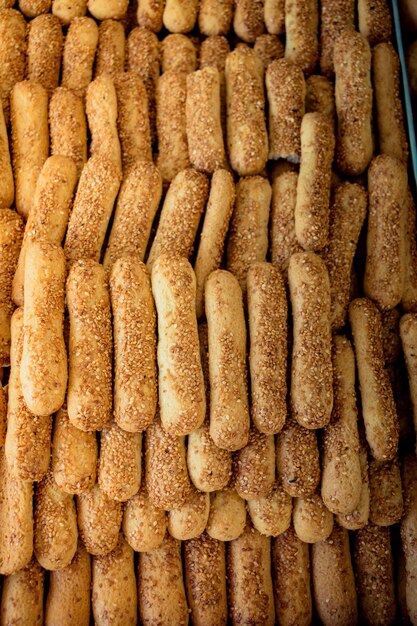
<point x="144" y="524"/>
<point x="248" y="235"/>
<point x="311" y="376"/>
<point x="247" y="138"/>
<point x="113" y="590"/>
<point x="161" y="592"/>
<point x="79" y="52"/>
<point x="74" y="455"/>
<point x="68" y="600"/>
<point x="16" y="521"/>
<point x="68" y="11"/>
<point x="271" y="515"/>
<point x="297" y="458"/>
<point x="359" y="517"/>
<point x="45" y="43"/>
<point x="409" y="297"/>
<point x="249" y="579"/>
<point x="119" y="469"/>
<point x="374" y="575"/>
<point x="190" y="519"/>
<point x="135" y="385"/>
<point x="379" y="411"/>
<point x="178" y="223"/>
<point x="312" y="520"/>
<point x="409" y="532"/>
<point x="205" y="579"/>
<point x="314" y="179"/>
<point x="320" y="97"/>
<point x="254" y="466"/>
<point x="12" y="55"/>
<point x="229" y="414"/>
<point x="33" y="8"/>
<point x="301" y="26"/>
<point x="285" y="86"/>
<point x="179" y="54"/>
<point x="11" y="235"/>
<point x="391" y="335"/>
<point x="28" y="437"/>
<point x="166" y="475"/>
<point x="89" y="394"/>
<point x="408" y="333"/>
<point x="282" y="224"/>
<point x="291" y="578"/>
<point x="108" y="9"/>
<point x="216" y="223"/>
<point x="110" y="56"/>
<point x="268" y="48"/>
<point x="68" y="126"/>
<point x="341" y="480"/>
<point x="92" y="209"/>
<point x="353" y="91"/>
<point x="43" y="370"/>
<point x="336" y="17"/>
<point x="214" y="17"/>
<point x="99" y="520"/>
<point x="333" y="580"/>
<point x="374" y="21"/>
<point x="227" y="517"/>
<point x="347" y="214"/>
<point x="3" y="412"/>
<point x="7" y="182"/>
<point x="401" y="588"/>
<point x="149" y="14"/>
<point x="213" y="52"/>
<point x="22" y="596"/>
<point x="101" y="109"/>
<point x="30" y="140"/>
<point x="180" y="16"/>
<point x="274" y="16"/>
<point x="49" y="214"/>
<point x="171" y="90"/>
<point x="386" y="492"/>
<point x="248" y="19"/>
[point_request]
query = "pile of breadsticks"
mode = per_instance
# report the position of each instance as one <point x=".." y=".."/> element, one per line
<point x="208" y="310"/>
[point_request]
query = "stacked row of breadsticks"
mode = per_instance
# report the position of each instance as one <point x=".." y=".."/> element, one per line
<point x="208" y="310"/>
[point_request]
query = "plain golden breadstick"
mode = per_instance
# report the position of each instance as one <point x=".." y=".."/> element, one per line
<point x="269" y="48"/>
<point x="190" y="519"/>
<point x="7" y="182"/>
<point x="248" y="234"/>
<point x="180" y="16"/>
<point x="181" y="212"/>
<point x="161" y="592"/>
<point x="341" y="480"/>
<point x="320" y="97"/>
<point x="149" y="14"/>
<point x="297" y="458"/>
<point x="360" y="516"/>
<point x="347" y="214"/>
<point x="386" y="492"/>
<point x="227" y="517"/>
<point x="110" y="55"/>
<point x="271" y="515"/>
<point x="205" y="579"/>
<point x="45" y="43"/>
<point x="11" y="236"/>
<point x="68" y="599"/>
<point x="254" y="466"/>
<point x="391" y="335"/>
<point x="408" y="333"/>
<point x="179" y="54"/>
<point x="282" y="223"/>
<point x="374" y="21"/>
<point x="229" y="413"/>
<point x="43" y="370"/>
<point x="68" y="126"/>
<point x="113" y="587"/>
<point x="409" y="533"/>
<point x="216" y="223"/>
<point x="353" y="92"/>
<point x="136" y="207"/>
<point x="213" y="52"/>
<point x="181" y="386"/>
<point x="171" y="90"/>
<point x="135" y="384"/>
<point x="99" y="521"/>
<point x="291" y="580"/>
<point x="68" y="10"/>
<point x="409" y="297"/>
<point x="79" y="52"/>
<point x="89" y="395"/>
<point x="12" y="55"/>
<point x="92" y="209"/>
<point x="16" y="520"/>
<point x="74" y="455"/>
<point x="30" y="140"/>
<point x="274" y="16"/>
<point x="311" y="375"/>
<point x="108" y="9"/>
<point x="49" y="214"/>
<point x="144" y="525"/>
<point x="247" y="138"/>
<point x="312" y="520"/>
<point x="119" y="468"/>
<point x="285" y="86"/>
<point x="22" y="596"/>
<point x="101" y="109"/>
<point x="250" y="593"/>
<point x="214" y="17"/>
<point x="374" y="575"/>
<point x="336" y="17"/>
<point x="333" y="580"/>
<point x="28" y="437"/>
<point x="55" y="525"/>
<point x="248" y="19"/>
<point x="166" y="475"/>
<point x="379" y="411"/>
<point x="301" y="26"/>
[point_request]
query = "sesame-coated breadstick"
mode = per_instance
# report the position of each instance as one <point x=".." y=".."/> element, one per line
<point x="144" y="524"/>
<point x="360" y="516"/>
<point x="99" y="520"/>
<point x="179" y="54"/>
<point x="7" y="182"/>
<point x="408" y="333"/>
<point x="149" y="14"/>
<point x="320" y="97"/>
<point x="190" y="519"/>
<point x="379" y="411"/>
<point x="180" y="15"/>
<point x="311" y="375"/>
<point x="254" y="466"/>
<point x="227" y="517"/>
<point x="274" y="16"/>
<point x="45" y="43"/>
<point x="213" y="52"/>
<point x="3" y="413"/>
<point x="22" y="596"/>
<point x="12" y="55"/>
<point x="409" y="297"/>
<point x="312" y="520"/>
<point x="79" y="52"/>
<point x="68" y="126"/>
<point x="301" y="26"/>
<point x="247" y="138"/>
<point x="248" y="19"/>
<point x="110" y="55"/>
<point x="409" y="532"/>
<point x="282" y="223"/>
<point x="89" y="395"/>
<point x="391" y="335"/>
<point x="214" y="17"/>
<point x="69" y="11"/>
<point x="101" y="109"/>
<point x="30" y="140"/>
<point x="268" y="48"/>
<point x="336" y="17"/>
<point x="271" y="515"/>
<point x="119" y="467"/>
<point x="33" y="8"/>
<point x="11" y="235"/>
<point x="374" y="19"/>
<point x="297" y="458"/>
<point x="386" y="492"/>
<point x="108" y="9"/>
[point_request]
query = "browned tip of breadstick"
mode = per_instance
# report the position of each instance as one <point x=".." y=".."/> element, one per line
<point x="213" y="52"/>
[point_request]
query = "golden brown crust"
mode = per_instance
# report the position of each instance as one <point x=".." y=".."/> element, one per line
<point x="68" y="126"/>
<point x="297" y="458"/>
<point x="320" y="97"/>
<point x="254" y="466"/>
<point x="110" y="55"/>
<point x="213" y="52"/>
<point x="149" y="14"/>
<point x="336" y="17"/>
<point x="108" y="9"/>
<point x="374" y="20"/>
<point x="32" y="8"/>
<point x="271" y="514"/>
<point x="359" y="517"/>
<point x="68" y="10"/>
<point x="227" y="518"/>
<point x="119" y="468"/>
<point x="268" y="48"/>
<point x="408" y="332"/>
<point x="22" y="596"/>
<point x="386" y="492"/>
<point x="78" y="56"/>
<point x="12" y="55"/>
<point x="179" y="54"/>
<point x="190" y="519"/>
<point x="99" y="520"/>
<point x="180" y="15"/>
<point x="409" y="532"/>
<point x="11" y="236"/>
<point x="312" y="520"/>
<point x="7" y="182"/>
<point x="301" y="26"/>
<point x="45" y="44"/>
<point x="214" y="17"/>
<point x="144" y="524"/>
<point x="409" y="297"/>
<point x="282" y="236"/>
<point x="101" y="109"/>
<point x="274" y="16"/>
<point x="248" y="19"/>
